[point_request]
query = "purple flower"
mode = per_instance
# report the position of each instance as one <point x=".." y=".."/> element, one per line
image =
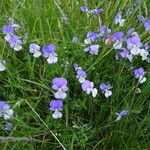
<point x="121" y="114"/>
<point x="93" y="49"/>
<point x="147" y="25"/>
<point x="75" y="66"/>
<point x="141" y="18"/>
<point x="88" y="87"/>
<point x="5" y="111"/>
<point x="133" y="42"/>
<point x="130" y="31"/>
<point x="106" y="89"/>
<point x="8" y="126"/>
<point x="50" y="54"/>
<point x="139" y="73"/>
<point x="119" y="20"/>
<point x="104" y="30"/>
<point x="104" y="86"/>
<point x="92" y="36"/>
<point x="2" y="65"/>
<point x="124" y="54"/>
<point x="118" y="36"/>
<point x="8" y="29"/>
<point x="96" y="11"/>
<point x="56" y="106"/>
<point x="145" y="21"/>
<point x="15" y="42"/>
<point x="81" y="75"/>
<point x="35" y="50"/>
<point x="84" y="9"/>
<point x="60" y="85"/>
<point x="75" y="39"/>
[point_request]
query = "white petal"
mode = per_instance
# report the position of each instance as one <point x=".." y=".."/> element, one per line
<point x="60" y="95"/>
<point x="57" y="114"/>
<point x="142" y="79"/>
<point x="88" y="91"/>
<point x="130" y="57"/>
<point x="37" y="54"/>
<point x="87" y="41"/>
<point x="2" y="67"/>
<point x="92" y="84"/>
<point x="17" y="47"/>
<point x="8" y="114"/>
<point x="7" y="37"/>
<point x="118" y="118"/>
<point x="52" y="60"/>
<point x="121" y="22"/>
<point x="117" y="45"/>
<point x="81" y="79"/>
<point x="135" y="51"/>
<point x="108" y="93"/>
<point x="144" y="54"/>
<point x="94" y="92"/>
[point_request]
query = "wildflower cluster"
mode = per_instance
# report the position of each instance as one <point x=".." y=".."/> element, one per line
<point x="6" y="112"/>
<point x="14" y="41"/>
<point x="47" y="52"/>
<point x="86" y="85"/>
<point x="60" y="86"/>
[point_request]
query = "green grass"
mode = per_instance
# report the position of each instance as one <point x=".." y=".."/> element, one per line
<point x="87" y="123"/>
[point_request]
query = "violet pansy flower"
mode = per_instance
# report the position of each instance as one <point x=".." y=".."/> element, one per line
<point x="147" y="25"/>
<point x="104" y="30"/>
<point x="84" y="8"/>
<point x="121" y="114"/>
<point x="88" y="87"/>
<point x="15" y="42"/>
<point x="2" y="65"/>
<point x="141" y="18"/>
<point x="106" y="89"/>
<point x="93" y="49"/>
<point x="145" y="21"/>
<point x="8" y="30"/>
<point x="35" y="50"/>
<point x="60" y="85"/>
<point x="81" y="75"/>
<point x="56" y="106"/>
<point x="139" y="73"/>
<point x="133" y="44"/>
<point x="8" y="126"/>
<point x="76" y="67"/>
<point x="96" y="11"/>
<point x="75" y="39"/>
<point x="91" y="37"/>
<point x="130" y="31"/>
<point x="117" y="38"/>
<point x="118" y="19"/>
<point x="5" y="111"/>
<point x="50" y="54"/>
<point x="123" y="53"/>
